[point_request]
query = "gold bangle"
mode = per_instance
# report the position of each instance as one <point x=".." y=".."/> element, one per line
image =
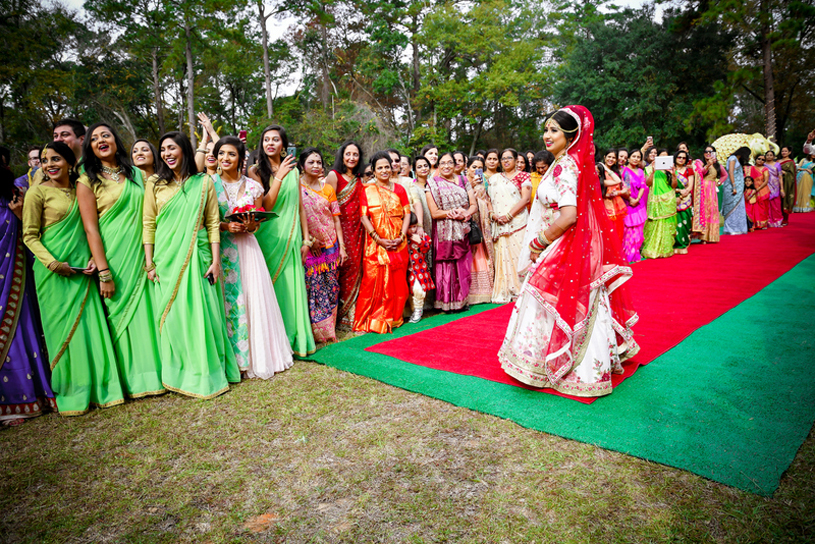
<point x="53" y="265"/>
<point x="543" y="239"/>
<point x="106" y="277"/>
<point x="308" y="243"/>
<point x="148" y="268"/>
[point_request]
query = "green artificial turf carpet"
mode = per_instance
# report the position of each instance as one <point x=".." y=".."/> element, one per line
<point x="733" y="402"/>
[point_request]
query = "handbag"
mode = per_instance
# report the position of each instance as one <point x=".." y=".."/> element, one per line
<point x="475" y="235"/>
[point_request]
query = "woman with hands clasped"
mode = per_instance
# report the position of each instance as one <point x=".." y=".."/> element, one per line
<point x="735" y="214"/>
<point x="281" y="239"/>
<point x="324" y="249"/>
<point x="254" y="322"/>
<point x="385" y="215"/>
<point x="684" y="180"/>
<point x="83" y="362"/>
<point x="111" y="200"/>
<point x="182" y="246"/>
<point x="451" y="207"/>
<point x="509" y="192"/>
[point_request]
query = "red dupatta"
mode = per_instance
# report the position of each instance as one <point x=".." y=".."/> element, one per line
<point x="588" y="256"/>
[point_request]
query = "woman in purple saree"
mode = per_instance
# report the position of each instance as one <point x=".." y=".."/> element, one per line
<point x="24" y="374"/>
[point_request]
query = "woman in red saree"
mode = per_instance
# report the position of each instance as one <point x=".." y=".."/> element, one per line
<point x="571" y="327"/>
<point x="761" y="180"/>
<point x="383" y="291"/>
<point x="346" y="181"/>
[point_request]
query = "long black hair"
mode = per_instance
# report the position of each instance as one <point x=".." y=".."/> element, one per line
<point x="339" y="163"/>
<point x="93" y="164"/>
<point x="66" y="153"/>
<point x="233" y="141"/>
<point x="153" y="150"/>
<point x="6" y="184"/>
<point x="264" y="166"/>
<point x="743" y="155"/>
<point x="188" y="167"/>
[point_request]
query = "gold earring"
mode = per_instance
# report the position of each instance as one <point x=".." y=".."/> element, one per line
<point x="218" y="170"/>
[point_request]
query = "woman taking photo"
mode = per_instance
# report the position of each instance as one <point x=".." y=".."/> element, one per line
<point x="451" y="207"/>
<point x="481" y="273"/>
<point x="182" y="246"/>
<point x="659" y="233"/>
<point x="385" y="216"/>
<point x="571" y="327"/>
<point x="144" y="156"/>
<point x="346" y="180"/>
<point x="111" y="201"/>
<point x="788" y="171"/>
<point x="706" y="197"/>
<point x="255" y="325"/>
<point x="325" y="251"/>
<point x="24" y="374"/>
<point x="614" y="192"/>
<point x="637" y="212"/>
<point x="684" y="179"/>
<point x="282" y="238"/>
<point x="83" y="362"/>
<point x="509" y="194"/>
<point x="735" y="214"/>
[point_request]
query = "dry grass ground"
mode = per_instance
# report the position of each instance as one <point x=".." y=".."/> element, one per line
<point x="320" y="455"/>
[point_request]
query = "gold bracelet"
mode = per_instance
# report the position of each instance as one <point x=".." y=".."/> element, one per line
<point x="308" y="243"/>
<point x="277" y="179"/>
<point x="152" y="266"/>
<point x="543" y="239"/>
<point x="53" y="265"/>
<point x="106" y="277"/>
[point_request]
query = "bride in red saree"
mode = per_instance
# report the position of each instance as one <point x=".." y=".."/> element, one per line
<point x="571" y="327"/>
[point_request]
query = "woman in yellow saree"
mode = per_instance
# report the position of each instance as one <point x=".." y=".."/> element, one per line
<point x="384" y="290"/>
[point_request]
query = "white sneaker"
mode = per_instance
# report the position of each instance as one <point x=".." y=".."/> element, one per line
<point x="416" y="316"/>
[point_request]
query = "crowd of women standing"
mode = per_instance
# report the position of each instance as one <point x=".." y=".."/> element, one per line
<point x="160" y="269"/>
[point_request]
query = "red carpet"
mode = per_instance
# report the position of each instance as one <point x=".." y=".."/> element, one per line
<point x="673" y="298"/>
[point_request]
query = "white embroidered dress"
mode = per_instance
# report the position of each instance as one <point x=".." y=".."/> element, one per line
<point x="530" y="327"/>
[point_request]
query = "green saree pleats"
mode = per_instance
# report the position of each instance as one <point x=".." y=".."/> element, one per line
<point x="196" y="357"/>
<point x="280" y="241"/>
<point x="659" y="232"/>
<point x="83" y="361"/>
<point x="130" y="310"/>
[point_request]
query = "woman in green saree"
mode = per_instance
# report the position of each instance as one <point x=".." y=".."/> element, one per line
<point x="83" y="361"/>
<point x="660" y="227"/>
<point x="281" y="239"/>
<point x="182" y="254"/>
<point x="111" y="197"/>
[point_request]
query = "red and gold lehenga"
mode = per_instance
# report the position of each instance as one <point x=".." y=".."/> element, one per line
<point x="571" y="327"/>
<point x="348" y="196"/>
<point x="383" y="290"/>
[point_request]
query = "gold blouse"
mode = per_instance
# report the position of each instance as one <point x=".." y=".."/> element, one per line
<point x="43" y="206"/>
<point x="156" y="196"/>
<point x="107" y="192"/>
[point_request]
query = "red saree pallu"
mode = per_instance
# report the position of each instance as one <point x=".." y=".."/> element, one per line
<point x="350" y="273"/>
<point x="383" y="289"/>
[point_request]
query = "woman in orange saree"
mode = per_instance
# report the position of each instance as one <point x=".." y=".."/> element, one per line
<point x="383" y="291"/>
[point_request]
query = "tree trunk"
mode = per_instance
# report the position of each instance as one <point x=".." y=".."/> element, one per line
<point x="267" y="70"/>
<point x="325" y="92"/>
<point x="157" y="92"/>
<point x="477" y="136"/>
<point x="417" y="82"/>
<point x="190" y="83"/>
<point x="769" y="90"/>
<point x="180" y="100"/>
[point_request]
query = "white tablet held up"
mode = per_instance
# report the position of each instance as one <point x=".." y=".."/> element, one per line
<point x="664" y="163"/>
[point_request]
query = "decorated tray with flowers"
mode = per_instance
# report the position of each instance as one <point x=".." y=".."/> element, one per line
<point x="250" y="210"/>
